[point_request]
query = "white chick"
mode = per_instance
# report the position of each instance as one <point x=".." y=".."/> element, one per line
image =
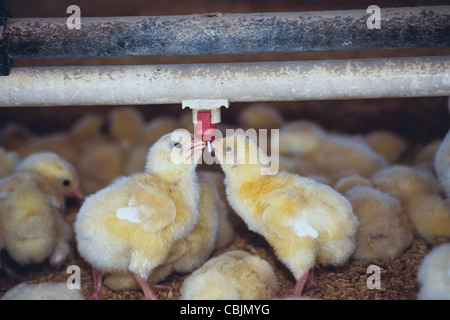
<point x="303" y="220"/>
<point x="8" y="162"/>
<point x="434" y="274"/>
<point x="388" y="144"/>
<point x="442" y="164"/>
<point x="43" y="291"/>
<point x="384" y="230"/>
<point x="234" y="275"/>
<point x="132" y="224"/>
<point x="188" y="253"/>
<point x="325" y="154"/>
<point x="429" y="214"/>
<point x="32" y="205"/>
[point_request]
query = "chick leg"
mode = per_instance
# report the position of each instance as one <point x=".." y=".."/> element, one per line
<point x="98" y="286"/>
<point x="305" y="280"/>
<point x="148" y="292"/>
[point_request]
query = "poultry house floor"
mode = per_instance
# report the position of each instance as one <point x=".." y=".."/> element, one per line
<point x="419" y="120"/>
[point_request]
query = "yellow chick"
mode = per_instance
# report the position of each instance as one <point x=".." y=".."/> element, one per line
<point x="346" y="183"/>
<point x="8" y="162"/>
<point x="58" y="143"/>
<point x="429" y="214"/>
<point x="31" y="209"/>
<point x="384" y="230"/>
<point x="125" y="125"/>
<point x="226" y="232"/>
<point x="234" y="275"/>
<point x="14" y="136"/>
<point x="388" y="144"/>
<point x="260" y="116"/>
<point x="303" y="220"/>
<point x="132" y="224"/>
<point x="404" y="181"/>
<point x="442" y="164"/>
<point x="43" y="291"/>
<point x="434" y="274"/>
<point x="325" y="154"/>
<point x="151" y="132"/>
<point x="99" y="165"/>
<point x="188" y="253"/>
<point x="425" y="157"/>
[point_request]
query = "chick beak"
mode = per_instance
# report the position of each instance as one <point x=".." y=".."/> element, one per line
<point x="76" y="193"/>
<point x="197" y="145"/>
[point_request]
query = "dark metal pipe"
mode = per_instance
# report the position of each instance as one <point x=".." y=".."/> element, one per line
<point x="229" y="33"/>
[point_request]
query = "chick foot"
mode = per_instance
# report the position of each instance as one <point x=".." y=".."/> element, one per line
<point x="98" y="287"/>
<point x="148" y="292"/>
<point x="305" y="282"/>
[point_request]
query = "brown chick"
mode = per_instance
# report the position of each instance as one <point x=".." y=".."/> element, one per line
<point x="306" y="222"/>
<point x="188" y="253"/>
<point x="132" y="224"/>
<point x="32" y="207"/>
<point x="324" y="154"/>
<point x="234" y="275"/>
<point x="384" y="230"/>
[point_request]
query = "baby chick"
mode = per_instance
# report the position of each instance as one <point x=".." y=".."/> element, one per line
<point x="31" y="209"/>
<point x="346" y="183"/>
<point x="434" y="274"/>
<point x="442" y="164"/>
<point x="429" y="214"/>
<point x="43" y="291"/>
<point x="260" y="116"/>
<point x="188" y="253"/>
<point x="404" y="181"/>
<point x="125" y="125"/>
<point x="384" y="230"/>
<point x="226" y="232"/>
<point x="132" y="224"/>
<point x="324" y="154"/>
<point x="234" y="275"/>
<point x="303" y="220"/>
<point x="388" y="144"/>
<point x="8" y="162"/>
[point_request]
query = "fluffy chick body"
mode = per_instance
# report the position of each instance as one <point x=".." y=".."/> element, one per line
<point x="43" y="291"/>
<point x="32" y="205"/>
<point x="235" y="275"/>
<point x="434" y="274"/>
<point x="132" y="224"/>
<point x="325" y="154"/>
<point x="384" y="230"/>
<point x="442" y="164"/>
<point x="188" y="253"/>
<point x="303" y="220"/>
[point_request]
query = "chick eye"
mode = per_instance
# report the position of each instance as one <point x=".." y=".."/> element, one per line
<point x="228" y="149"/>
<point x="177" y="145"/>
<point x="66" y="182"/>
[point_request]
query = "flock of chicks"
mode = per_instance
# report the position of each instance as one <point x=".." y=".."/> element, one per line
<point x="145" y="216"/>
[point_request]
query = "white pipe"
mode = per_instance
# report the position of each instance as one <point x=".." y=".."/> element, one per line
<point x="236" y="82"/>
